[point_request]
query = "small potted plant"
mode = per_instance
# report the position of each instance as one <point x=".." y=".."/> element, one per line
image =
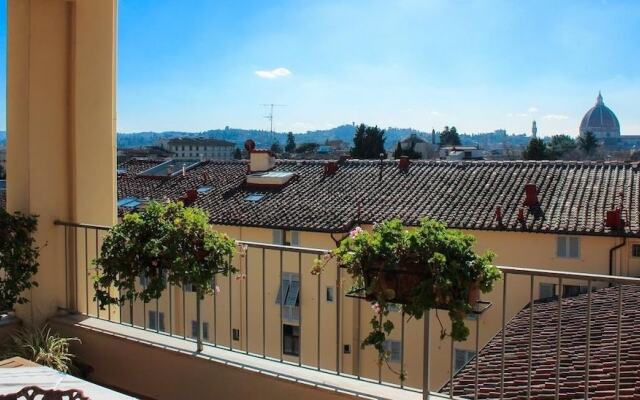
<point x="424" y="268"/>
<point x="18" y="258"/>
<point x="168" y="244"/>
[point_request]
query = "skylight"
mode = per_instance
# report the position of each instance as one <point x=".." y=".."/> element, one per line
<point x="254" y="197"/>
<point x="204" y="189"/>
<point x="129" y="202"/>
<point x="121" y="171"/>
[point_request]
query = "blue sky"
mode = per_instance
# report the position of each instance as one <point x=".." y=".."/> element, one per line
<point x="480" y="65"/>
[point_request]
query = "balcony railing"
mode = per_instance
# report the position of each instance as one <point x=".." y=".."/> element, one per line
<point x="279" y="311"/>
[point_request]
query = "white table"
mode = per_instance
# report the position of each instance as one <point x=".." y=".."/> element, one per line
<point x="14" y="379"/>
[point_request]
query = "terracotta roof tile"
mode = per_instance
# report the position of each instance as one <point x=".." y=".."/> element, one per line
<point x="574" y="196"/>
<point x="573" y="339"/>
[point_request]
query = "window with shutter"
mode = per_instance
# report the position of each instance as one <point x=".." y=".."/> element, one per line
<point x="561" y="245"/>
<point x="574" y="247"/>
<point x="277" y="236"/>
<point x="394" y="348"/>
<point x="295" y="238"/>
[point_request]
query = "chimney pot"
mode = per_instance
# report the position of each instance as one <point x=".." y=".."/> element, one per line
<point x="613" y="219"/>
<point x="404" y="163"/>
<point x="330" y="168"/>
<point x="531" y="195"/>
<point x="499" y="213"/>
<point x="521" y="214"/>
<point x="190" y="197"/>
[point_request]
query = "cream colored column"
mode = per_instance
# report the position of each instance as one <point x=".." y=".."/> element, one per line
<point x="60" y="126"/>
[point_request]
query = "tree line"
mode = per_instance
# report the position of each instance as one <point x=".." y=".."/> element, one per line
<point x="562" y="147"/>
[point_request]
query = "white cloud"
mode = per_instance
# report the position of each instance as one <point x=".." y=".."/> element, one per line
<point x="556" y="117"/>
<point x="279" y="72"/>
<point x="533" y="109"/>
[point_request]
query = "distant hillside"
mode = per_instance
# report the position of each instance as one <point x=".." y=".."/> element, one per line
<point x="263" y="138"/>
<point x="343" y="132"/>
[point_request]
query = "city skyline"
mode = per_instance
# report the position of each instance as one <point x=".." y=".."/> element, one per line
<point x="481" y="65"/>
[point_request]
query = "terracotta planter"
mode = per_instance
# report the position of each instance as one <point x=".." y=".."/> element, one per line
<point x="402" y="281"/>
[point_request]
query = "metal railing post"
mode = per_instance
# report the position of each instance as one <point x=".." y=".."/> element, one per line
<point x="426" y="365"/>
<point x="200" y="347"/>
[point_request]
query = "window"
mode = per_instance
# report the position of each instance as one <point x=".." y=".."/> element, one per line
<point x="188" y="288"/>
<point x="143" y="280"/>
<point x="295" y="238"/>
<point x="635" y="250"/>
<point x="236" y="334"/>
<point x="346" y="349"/>
<point x="568" y="246"/>
<point x="329" y="294"/>
<point x="278" y="236"/>
<point x="462" y="357"/>
<point x="289" y="296"/>
<point x="129" y="202"/>
<point x="394" y="348"/>
<point x="394" y="307"/>
<point x="573" y="290"/>
<point x="289" y="291"/>
<point x="547" y="290"/>
<point x="254" y="197"/>
<point x="291" y="340"/>
<point x="205" y="330"/>
<point x="156" y="321"/>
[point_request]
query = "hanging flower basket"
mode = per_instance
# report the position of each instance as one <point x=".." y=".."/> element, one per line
<point x="429" y="267"/>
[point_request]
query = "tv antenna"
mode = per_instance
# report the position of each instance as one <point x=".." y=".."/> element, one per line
<point x="270" y="115"/>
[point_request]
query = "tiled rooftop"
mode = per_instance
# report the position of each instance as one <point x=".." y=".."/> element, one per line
<point x="573" y="351"/>
<point x="574" y="196"/>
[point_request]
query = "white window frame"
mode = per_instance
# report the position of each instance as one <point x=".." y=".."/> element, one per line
<point x="156" y="317"/>
<point x="289" y="293"/>
<point x="294" y="238"/>
<point x="633" y="247"/>
<point x="194" y="330"/>
<point x="277" y="236"/>
<point x="565" y="249"/>
<point x="462" y="358"/>
<point x="394" y="347"/>
<point x="547" y="286"/>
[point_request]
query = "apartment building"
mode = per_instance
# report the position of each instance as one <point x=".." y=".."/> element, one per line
<point x="200" y="148"/>
<point x="546" y="215"/>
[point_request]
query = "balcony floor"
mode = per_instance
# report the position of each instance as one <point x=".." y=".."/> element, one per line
<point x="328" y="382"/>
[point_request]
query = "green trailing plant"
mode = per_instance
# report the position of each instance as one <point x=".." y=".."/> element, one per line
<point x="18" y="257"/>
<point x="425" y="268"/>
<point x="41" y="346"/>
<point x="166" y="243"/>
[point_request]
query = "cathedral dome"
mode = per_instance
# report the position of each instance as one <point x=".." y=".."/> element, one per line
<point x="601" y="121"/>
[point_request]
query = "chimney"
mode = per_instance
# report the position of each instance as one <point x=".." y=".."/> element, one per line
<point x="531" y="195"/>
<point x="190" y="197"/>
<point x="330" y="168"/>
<point x="259" y="160"/>
<point x="521" y="214"/>
<point x="404" y="163"/>
<point x="614" y="220"/>
<point x="343" y="159"/>
<point x="499" y="214"/>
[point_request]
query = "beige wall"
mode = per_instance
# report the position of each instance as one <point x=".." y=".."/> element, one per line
<point x="165" y="374"/>
<point x="60" y="125"/>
